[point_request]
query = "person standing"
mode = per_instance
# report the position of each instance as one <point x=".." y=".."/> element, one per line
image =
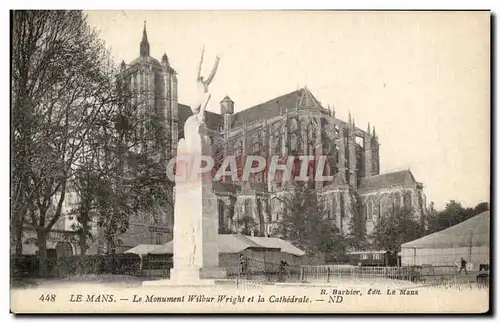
<point x="243" y="264"/>
<point x="463" y="265"/>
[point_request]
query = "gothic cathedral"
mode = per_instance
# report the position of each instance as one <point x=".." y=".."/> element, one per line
<point x="293" y="124"/>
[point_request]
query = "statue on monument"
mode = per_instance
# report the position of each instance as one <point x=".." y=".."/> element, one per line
<point x="194" y="130"/>
<point x="195" y="125"/>
<point x="195" y="231"/>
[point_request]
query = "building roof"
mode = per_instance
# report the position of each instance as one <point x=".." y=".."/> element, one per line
<point x="272" y="108"/>
<point x="474" y="232"/>
<point x="300" y="98"/>
<point x="212" y="120"/>
<point x="227" y="243"/>
<point x="278" y="243"/>
<point x="142" y="249"/>
<point x="145" y="60"/>
<point x="227" y="99"/>
<point x="404" y="177"/>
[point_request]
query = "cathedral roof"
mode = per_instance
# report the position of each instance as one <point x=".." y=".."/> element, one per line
<point x="404" y="177"/>
<point x="145" y="60"/>
<point x="212" y="120"/>
<point x="273" y="108"/>
<point x="300" y="98"/>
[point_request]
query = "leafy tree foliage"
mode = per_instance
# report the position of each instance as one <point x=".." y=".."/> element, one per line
<point x="61" y="81"/>
<point x="75" y="126"/>
<point x="395" y="228"/>
<point x="303" y="223"/>
<point x="452" y="214"/>
<point x="356" y="239"/>
<point x="247" y="225"/>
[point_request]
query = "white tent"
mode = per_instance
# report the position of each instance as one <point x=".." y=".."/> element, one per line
<point x="469" y="240"/>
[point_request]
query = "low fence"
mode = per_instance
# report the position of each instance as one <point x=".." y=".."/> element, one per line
<point x="119" y="264"/>
<point x="251" y="273"/>
<point x="448" y="276"/>
<point x="328" y="272"/>
<point x="156" y="266"/>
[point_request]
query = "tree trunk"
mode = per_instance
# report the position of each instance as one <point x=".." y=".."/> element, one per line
<point x="83" y="247"/>
<point x="19" y="209"/>
<point x="42" y="252"/>
<point x="18" y="230"/>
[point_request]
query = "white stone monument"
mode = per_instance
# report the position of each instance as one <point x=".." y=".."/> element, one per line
<point x="196" y="224"/>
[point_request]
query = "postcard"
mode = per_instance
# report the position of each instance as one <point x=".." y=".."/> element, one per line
<point x="250" y="162"/>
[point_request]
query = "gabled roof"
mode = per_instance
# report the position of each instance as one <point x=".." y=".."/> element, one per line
<point x="404" y="177"/>
<point x="278" y="243"/>
<point x="474" y="232"/>
<point x="212" y="120"/>
<point x="227" y="243"/>
<point x="300" y="98"/>
<point x="272" y="108"/>
<point x="142" y="249"/>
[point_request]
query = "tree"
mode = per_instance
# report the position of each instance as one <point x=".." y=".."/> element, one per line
<point x="131" y="172"/>
<point x="303" y="223"/>
<point x="246" y="225"/>
<point x="86" y="183"/>
<point x="480" y="208"/>
<point x="61" y="81"/>
<point x="453" y="214"/>
<point x="397" y="227"/>
<point x="356" y="239"/>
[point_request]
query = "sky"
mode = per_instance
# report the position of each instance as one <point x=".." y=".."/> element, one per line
<point x="421" y="78"/>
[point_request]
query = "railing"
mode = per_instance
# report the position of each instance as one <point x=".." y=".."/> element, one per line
<point x="328" y="272"/>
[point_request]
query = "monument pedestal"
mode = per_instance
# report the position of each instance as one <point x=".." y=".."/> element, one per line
<point x="190" y="277"/>
<point x="196" y="221"/>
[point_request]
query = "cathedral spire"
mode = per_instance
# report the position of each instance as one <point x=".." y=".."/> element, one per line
<point x="368" y="128"/>
<point x="144" y="48"/>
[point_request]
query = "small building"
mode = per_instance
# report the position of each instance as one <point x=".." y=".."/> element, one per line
<point x="469" y="240"/>
<point x="261" y="253"/>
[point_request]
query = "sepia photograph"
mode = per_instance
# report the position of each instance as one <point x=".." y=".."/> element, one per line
<point x="250" y="161"/>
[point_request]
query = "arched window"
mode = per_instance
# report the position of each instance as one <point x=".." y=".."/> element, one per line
<point x="293" y="126"/>
<point x="255" y="144"/>
<point x="384" y="205"/>
<point x="407" y="200"/>
<point x="221" y="213"/>
<point x="342" y="209"/>
<point x="337" y="131"/>
<point x="159" y="238"/>
<point x="370" y="210"/>
<point x="397" y="200"/>
<point x="360" y="141"/>
<point x="293" y="143"/>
